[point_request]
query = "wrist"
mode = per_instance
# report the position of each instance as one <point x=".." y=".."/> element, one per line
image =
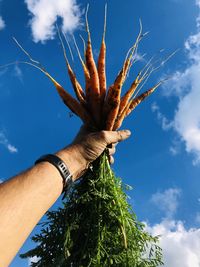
<point x="74" y="160"/>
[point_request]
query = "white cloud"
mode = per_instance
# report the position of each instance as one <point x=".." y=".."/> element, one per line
<point x="1" y="181"/>
<point x="167" y="201"/>
<point x="45" y="14"/>
<point x="2" y="23"/>
<point x="175" y="147"/>
<point x="180" y="246"/>
<point x="18" y="73"/>
<point x="174" y="150"/>
<point x="12" y="148"/>
<point x="4" y="141"/>
<point x="186" y="86"/>
<point x="165" y="123"/>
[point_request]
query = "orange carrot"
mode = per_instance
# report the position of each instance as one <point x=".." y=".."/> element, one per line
<point x="93" y="91"/>
<point x="72" y="103"/>
<point x="113" y="101"/>
<point x="120" y="118"/>
<point x="136" y="101"/>
<point x="76" y="85"/>
<point x="106" y="105"/>
<point x="142" y="75"/>
<point x="131" y="105"/>
<point x="101" y="63"/>
<point x="69" y="101"/>
<point x="74" y="106"/>
<point x="90" y="62"/>
<point x="125" y="99"/>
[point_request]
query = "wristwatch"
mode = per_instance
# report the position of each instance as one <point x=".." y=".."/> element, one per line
<point x="60" y="166"/>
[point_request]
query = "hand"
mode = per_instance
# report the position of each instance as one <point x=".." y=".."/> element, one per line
<point x="92" y="144"/>
<point x="88" y="146"/>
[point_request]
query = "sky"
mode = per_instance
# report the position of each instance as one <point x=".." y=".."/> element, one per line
<point x="161" y="160"/>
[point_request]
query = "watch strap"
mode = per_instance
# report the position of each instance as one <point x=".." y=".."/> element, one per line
<point x="61" y="167"/>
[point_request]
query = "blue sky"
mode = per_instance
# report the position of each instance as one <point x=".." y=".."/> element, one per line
<point x="161" y="160"/>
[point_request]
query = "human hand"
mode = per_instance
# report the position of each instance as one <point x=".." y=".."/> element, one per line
<point x="92" y="144"/>
<point x="88" y="146"/>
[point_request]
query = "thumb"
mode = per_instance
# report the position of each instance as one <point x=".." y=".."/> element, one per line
<point x="116" y="136"/>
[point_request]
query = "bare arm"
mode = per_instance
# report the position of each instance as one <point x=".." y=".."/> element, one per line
<point x="25" y="198"/>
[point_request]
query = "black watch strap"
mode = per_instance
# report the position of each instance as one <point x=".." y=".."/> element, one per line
<point x="61" y="167"/>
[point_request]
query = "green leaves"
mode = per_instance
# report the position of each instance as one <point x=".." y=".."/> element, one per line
<point x="96" y="227"/>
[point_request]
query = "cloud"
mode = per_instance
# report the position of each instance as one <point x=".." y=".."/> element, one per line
<point x="4" y="141"/>
<point x="180" y="246"/>
<point x="2" y="23"/>
<point x="1" y="181"/>
<point x="175" y="147"/>
<point x="45" y="14"/>
<point x="11" y="148"/>
<point x="167" y="201"/>
<point x="165" y="123"/>
<point x="18" y="73"/>
<point x="186" y="86"/>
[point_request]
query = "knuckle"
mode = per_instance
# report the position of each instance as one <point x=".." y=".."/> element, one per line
<point x="103" y="134"/>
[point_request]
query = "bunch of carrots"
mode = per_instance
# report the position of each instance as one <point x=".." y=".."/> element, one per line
<point x="99" y="106"/>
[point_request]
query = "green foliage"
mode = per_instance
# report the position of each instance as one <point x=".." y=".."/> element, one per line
<point x="96" y="227"/>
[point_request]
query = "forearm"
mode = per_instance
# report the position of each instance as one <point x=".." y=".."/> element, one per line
<point x="24" y="200"/>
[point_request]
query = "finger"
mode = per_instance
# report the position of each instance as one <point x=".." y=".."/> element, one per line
<point x="111" y="159"/>
<point x="115" y="136"/>
<point x="112" y="150"/>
